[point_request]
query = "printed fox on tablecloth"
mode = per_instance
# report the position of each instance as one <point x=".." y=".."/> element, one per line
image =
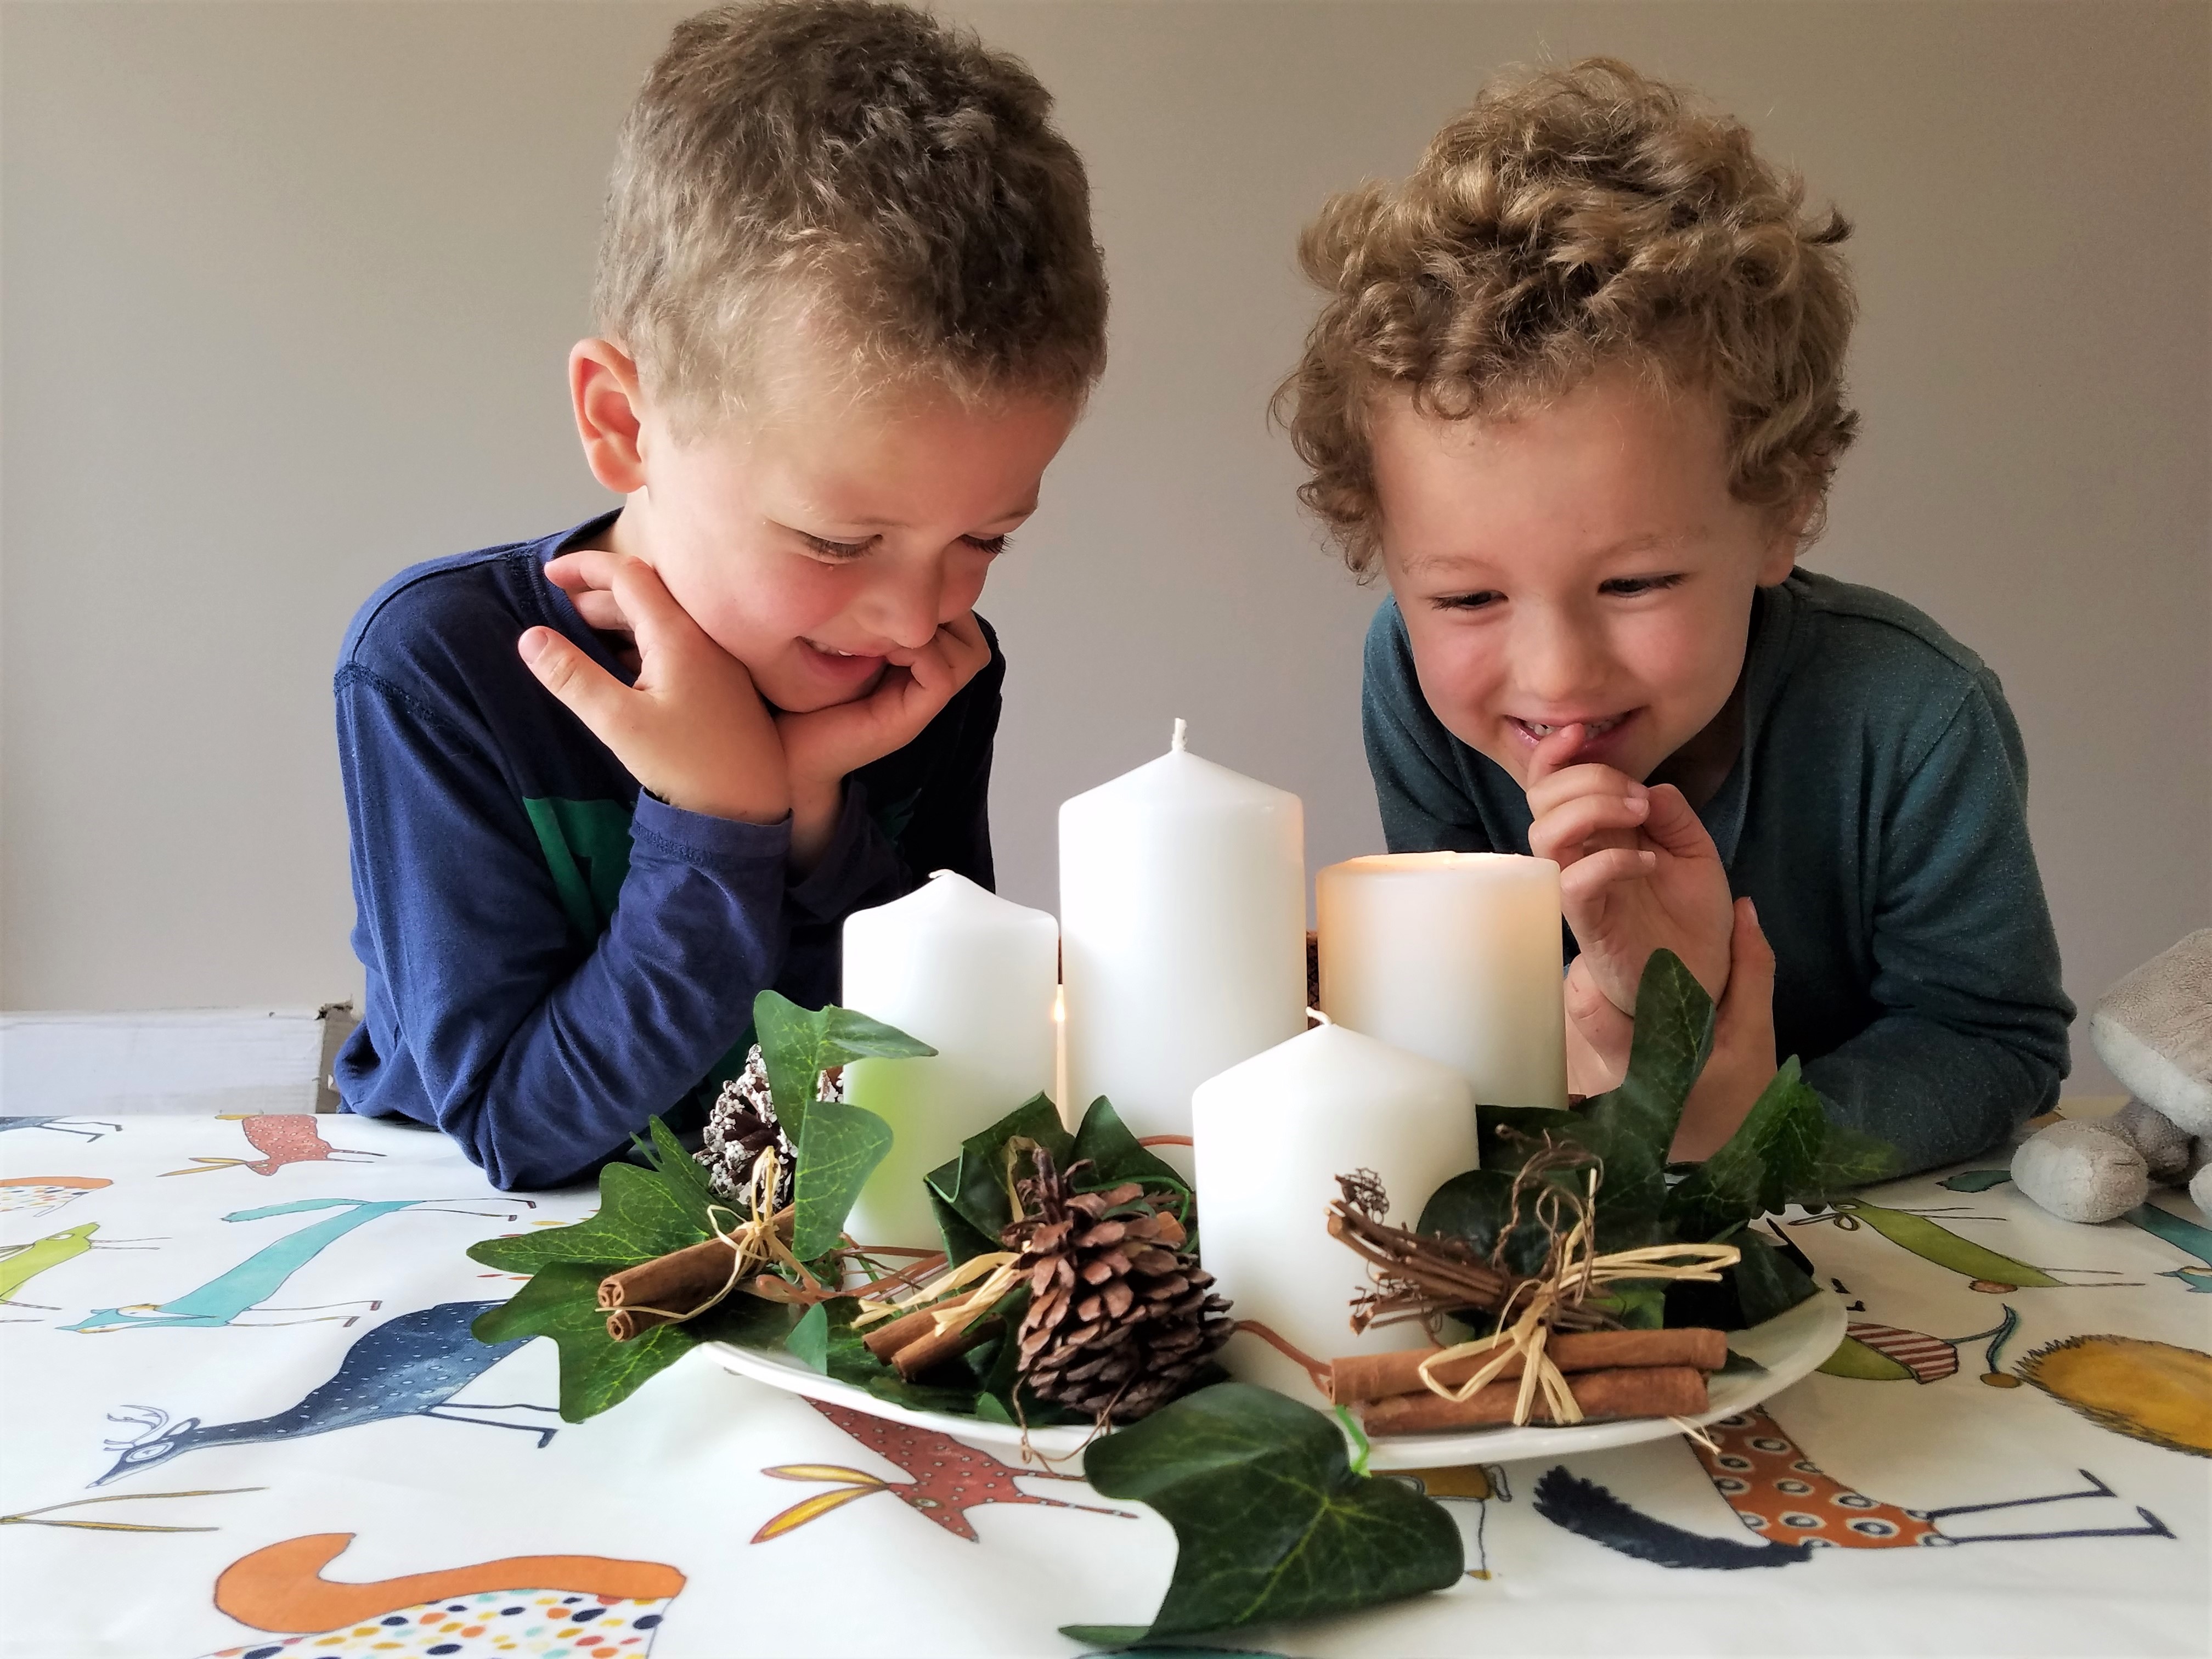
<point x="591" y="1607"/>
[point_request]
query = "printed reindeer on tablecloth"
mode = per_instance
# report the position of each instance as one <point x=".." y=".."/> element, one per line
<point x="229" y="1298"/>
<point x="1783" y="1496"/>
<point x="281" y="1138"/>
<point x="21" y="1263"/>
<point x="64" y="1125"/>
<point x="410" y="1366"/>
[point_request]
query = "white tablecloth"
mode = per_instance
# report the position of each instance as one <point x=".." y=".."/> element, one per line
<point x="247" y="1339"/>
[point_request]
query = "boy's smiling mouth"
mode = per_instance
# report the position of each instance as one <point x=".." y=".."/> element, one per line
<point x="1600" y="732"/>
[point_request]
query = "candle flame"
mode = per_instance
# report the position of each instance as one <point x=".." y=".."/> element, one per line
<point x="1181" y="733"/>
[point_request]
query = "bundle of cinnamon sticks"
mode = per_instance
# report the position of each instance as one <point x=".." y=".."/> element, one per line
<point x="670" y="1289"/>
<point x="1611" y="1373"/>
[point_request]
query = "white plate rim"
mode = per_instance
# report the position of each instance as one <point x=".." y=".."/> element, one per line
<point x="1792" y="1345"/>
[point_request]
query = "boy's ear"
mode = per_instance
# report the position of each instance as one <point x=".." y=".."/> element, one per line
<point x="603" y="393"/>
<point x="1780" y="556"/>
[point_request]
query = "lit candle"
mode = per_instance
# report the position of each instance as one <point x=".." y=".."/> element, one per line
<point x="973" y="976"/>
<point x="1270" y="1137"/>
<point x="1455" y="955"/>
<point x="1182" y="916"/>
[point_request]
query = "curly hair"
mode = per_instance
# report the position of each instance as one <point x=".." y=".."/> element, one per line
<point x="864" y="170"/>
<point x="1575" y="219"/>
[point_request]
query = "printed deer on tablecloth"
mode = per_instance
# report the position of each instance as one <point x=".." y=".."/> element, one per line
<point x="410" y="1366"/>
<point x="1782" y="1495"/>
<point x="229" y="1298"/>
<point x="21" y="1263"/>
<point x="514" y="1608"/>
<point x="281" y="1138"/>
<point x="64" y="1125"/>
<point x="944" y="1478"/>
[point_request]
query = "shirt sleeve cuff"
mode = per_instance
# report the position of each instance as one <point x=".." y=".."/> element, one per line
<point x="698" y="838"/>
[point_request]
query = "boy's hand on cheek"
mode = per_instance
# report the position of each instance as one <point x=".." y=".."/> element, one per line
<point x="821" y="746"/>
<point x="1743" y="1061"/>
<point x="692" y="730"/>
<point x="1637" y="870"/>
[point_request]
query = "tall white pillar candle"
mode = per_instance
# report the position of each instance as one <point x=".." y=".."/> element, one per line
<point x="973" y="976"/>
<point x="1455" y="955"/>
<point x="1183" y="918"/>
<point x="1271" y="1136"/>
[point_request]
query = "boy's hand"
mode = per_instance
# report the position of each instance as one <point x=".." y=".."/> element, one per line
<point x="1598" y="1035"/>
<point x="692" y="730"/>
<point x="821" y="746"/>
<point x="1637" y="871"/>
<point x="1742" y="1061"/>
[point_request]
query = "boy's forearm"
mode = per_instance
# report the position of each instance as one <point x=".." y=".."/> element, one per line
<point x="1936" y="1094"/>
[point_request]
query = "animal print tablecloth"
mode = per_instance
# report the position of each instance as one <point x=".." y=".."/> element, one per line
<point x="246" y="1417"/>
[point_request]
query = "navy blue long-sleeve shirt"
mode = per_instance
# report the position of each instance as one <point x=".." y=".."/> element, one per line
<point x="552" y="955"/>
<point x="1877" y="815"/>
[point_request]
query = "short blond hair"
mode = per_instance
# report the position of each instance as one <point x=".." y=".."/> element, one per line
<point x="1575" y="219"/>
<point x="859" y="169"/>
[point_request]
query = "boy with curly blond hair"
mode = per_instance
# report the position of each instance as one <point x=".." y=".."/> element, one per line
<point x="606" y="785"/>
<point x="1577" y="391"/>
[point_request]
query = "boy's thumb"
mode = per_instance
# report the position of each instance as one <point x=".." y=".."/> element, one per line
<point x="587" y="690"/>
<point x="1748" y="951"/>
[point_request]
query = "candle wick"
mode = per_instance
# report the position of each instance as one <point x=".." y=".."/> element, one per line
<point x="1182" y="734"/>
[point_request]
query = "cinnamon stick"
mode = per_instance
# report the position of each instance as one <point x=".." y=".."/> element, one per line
<point x="885" y="1340"/>
<point x="1638" y="1391"/>
<point x="1378" y="1377"/>
<point x="915" y="1358"/>
<point x="663" y="1290"/>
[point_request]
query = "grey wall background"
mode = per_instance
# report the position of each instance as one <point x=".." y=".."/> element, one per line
<point x="287" y="289"/>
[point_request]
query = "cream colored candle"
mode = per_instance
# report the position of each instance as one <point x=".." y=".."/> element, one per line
<point x="1182" y="914"/>
<point x="1455" y="955"/>
<point x="973" y="976"/>
<point x="1270" y="1137"/>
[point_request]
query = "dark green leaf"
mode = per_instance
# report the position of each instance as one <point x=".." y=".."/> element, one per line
<point x="797" y="1045"/>
<point x="1631" y="1127"/>
<point x="1773" y="1152"/>
<point x="1270" y="1522"/>
<point x="639" y="1217"/>
<point x="1740" y="1364"/>
<point x="975" y="1183"/>
<point x="1506" y="1135"/>
<point x="1638" y="1305"/>
<point x="838" y="1150"/>
<point x="1767" y="1282"/>
<point x="1848" y="1159"/>
<point x="750" y="1322"/>
<point x="1475" y="1207"/>
<point x="1115" y="1157"/>
<point x="961" y="1240"/>
<point x="596" y="1371"/>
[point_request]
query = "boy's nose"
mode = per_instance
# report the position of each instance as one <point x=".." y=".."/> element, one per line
<point x="1559" y="661"/>
<point x="907" y="605"/>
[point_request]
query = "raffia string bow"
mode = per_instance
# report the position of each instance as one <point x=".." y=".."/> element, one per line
<point x="1418" y="1277"/>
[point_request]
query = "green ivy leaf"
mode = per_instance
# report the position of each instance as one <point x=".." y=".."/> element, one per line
<point x="1847" y="1159"/>
<point x="639" y="1217"/>
<point x="961" y="1240"/>
<point x="1506" y="1135"/>
<point x="684" y="1175"/>
<point x="973" y="1184"/>
<point x="1773" y="1151"/>
<point x="798" y="1044"/>
<point x="596" y="1371"/>
<point x="838" y="1150"/>
<point x="1767" y="1282"/>
<point x="1270" y="1522"/>
<point x="1475" y="1207"/>
<point x="1631" y="1127"/>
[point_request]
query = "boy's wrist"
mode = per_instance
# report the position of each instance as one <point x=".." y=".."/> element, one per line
<point x="815" y="810"/>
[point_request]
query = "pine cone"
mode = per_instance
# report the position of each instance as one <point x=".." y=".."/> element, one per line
<point x="1121" y="1317"/>
<point x="743" y="1123"/>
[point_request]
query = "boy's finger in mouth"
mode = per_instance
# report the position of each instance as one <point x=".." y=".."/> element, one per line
<point x="1561" y="744"/>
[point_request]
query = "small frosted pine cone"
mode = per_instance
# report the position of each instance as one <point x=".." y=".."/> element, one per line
<point x="741" y="1125"/>
<point x="1121" y="1317"/>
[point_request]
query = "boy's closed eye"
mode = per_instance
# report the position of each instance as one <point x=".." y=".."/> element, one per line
<point x="839" y="550"/>
<point x="1620" y="587"/>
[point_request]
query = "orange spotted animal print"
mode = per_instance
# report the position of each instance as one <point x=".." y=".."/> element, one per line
<point x="1781" y="1494"/>
<point x="577" y="1607"/>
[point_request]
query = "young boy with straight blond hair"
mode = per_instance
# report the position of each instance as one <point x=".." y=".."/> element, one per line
<point x="1577" y="389"/>
<point x="605" y="786"/>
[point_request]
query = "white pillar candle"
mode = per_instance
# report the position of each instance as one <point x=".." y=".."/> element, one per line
<point x="1270" y="1137"/>
<point x="1455" y="955"/>
<point x="1183" y="916"/>
<point x="973" y="976"/>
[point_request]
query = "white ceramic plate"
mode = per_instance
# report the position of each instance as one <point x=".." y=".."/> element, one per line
<point x="1791" y="1346"/>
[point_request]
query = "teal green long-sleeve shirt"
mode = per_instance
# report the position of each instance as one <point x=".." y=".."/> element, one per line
<point x="1877" y="817"/>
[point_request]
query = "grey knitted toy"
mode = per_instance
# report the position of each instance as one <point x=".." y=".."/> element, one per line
<point x="2154" y="1030"/>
